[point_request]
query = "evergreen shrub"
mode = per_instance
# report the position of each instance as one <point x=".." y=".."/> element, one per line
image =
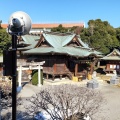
<point x="35" y="77"/>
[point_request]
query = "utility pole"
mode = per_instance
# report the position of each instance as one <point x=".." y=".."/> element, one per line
<point x="0" y="103"/>
<point x="19" y="24"/>
<point x="14" y="76"/>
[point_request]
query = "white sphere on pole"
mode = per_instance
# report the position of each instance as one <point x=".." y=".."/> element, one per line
<point x="19" y="23"/>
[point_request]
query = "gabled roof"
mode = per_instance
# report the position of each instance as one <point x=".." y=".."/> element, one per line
<point x="60" y="40"/>
<point x="30" y="40"/>
<point x="114" y="55"/>
<point x="59" y="45"/>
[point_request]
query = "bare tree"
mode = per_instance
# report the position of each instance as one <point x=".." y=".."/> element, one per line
<point x="65" y="102"/>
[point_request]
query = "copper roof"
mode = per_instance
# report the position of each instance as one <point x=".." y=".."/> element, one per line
<point x="58" y="44"/>
<point x="51" y="25"/>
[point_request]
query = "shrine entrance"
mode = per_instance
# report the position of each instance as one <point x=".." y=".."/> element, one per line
<point x="29" y="66"/>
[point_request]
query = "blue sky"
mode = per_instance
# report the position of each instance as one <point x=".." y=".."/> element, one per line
<point x="59" y="11"/>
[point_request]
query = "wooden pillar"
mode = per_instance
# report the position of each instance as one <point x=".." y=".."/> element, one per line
<point x="76" y="69"/>
<point x="107" y="66"/>
<point x="54" y="68"/>
<point x="47" y="76"/>
<point x="91" y="68"/>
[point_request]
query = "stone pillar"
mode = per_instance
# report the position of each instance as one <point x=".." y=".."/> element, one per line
<point x="20" y="76"/>
<point x="39" y="76"/>
<point x="98" y="64"/>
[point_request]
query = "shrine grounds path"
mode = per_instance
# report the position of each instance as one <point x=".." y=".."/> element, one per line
<point x="111" y="93"/>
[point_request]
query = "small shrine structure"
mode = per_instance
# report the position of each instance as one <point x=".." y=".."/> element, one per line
<point x="112" y="62"/>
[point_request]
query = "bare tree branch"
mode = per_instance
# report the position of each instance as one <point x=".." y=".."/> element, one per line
<point x="65" y="102"/>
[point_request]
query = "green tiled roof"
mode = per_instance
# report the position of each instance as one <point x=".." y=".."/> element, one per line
<point x="112" y="57"/>
<point x="60" y="41"/>
<point x="31" y="40"/>
<point x="82" y="43"/>
<point x="59" y="45"/>
<point x="72" y="51"/>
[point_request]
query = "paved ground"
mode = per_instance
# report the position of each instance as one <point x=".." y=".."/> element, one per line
<point x="110" y="110"/>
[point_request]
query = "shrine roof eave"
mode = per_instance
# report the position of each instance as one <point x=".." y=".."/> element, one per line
<point x="30" y="39"/>
<point x="71" y="51"/>
<point x="24" y="48"/>
<point x="53" y="53"/>
<point x="111" y="58"/>
<point x="114" y="51"/>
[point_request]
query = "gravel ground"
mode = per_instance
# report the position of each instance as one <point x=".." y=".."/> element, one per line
<point x="111" y="109"/>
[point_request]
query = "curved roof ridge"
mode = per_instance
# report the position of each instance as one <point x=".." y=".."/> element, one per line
<point x="115" y="50"/>
<point x="82" y="43"/>
<point x="51" y="39"/>
<point x="29" y="39"/>
<point x="56" y="40"/>
<point x="68" y="39"/>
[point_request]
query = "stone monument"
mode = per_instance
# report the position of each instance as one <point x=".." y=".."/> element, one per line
<point x="93" y="83"/>
<point x="114" y="79"/>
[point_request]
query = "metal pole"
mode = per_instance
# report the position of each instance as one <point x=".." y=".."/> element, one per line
<point x="0" y="105"/>
<point x="14" y="75"/>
